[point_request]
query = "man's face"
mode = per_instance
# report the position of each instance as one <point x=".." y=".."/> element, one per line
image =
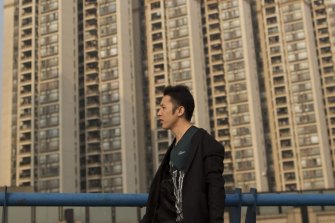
<point x="166" y="115"/>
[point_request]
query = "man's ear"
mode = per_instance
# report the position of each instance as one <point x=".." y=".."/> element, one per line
<point x="180" y="111"/>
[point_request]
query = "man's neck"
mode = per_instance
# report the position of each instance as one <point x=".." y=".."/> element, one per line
<point x="180" y="130"/>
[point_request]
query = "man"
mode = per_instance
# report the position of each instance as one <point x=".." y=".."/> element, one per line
<point x="188" y="186"/>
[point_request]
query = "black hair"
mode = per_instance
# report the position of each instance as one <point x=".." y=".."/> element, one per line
<point x="181" y="96"/>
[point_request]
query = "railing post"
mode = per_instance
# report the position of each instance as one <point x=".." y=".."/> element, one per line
<point x="60" y="213"/>
<point x="235" y="211"/>
<point x="113" y="213"/>
<point x="5" y="210"/>
<point x="33" y="214"/>
<point x="87" y="214"/>
<point x="250" y="216"/>
<point x="304" y="214"/>
<point x="139" y="213"/>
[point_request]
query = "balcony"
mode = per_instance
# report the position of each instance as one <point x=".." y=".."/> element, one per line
<point x="158" y="47"/>
<point x="93" y="138"/>
<point x="27" y="33"/>
<point x="25" y="174"/>
<point x="92" y="78"/>
<point x="158" y="68"/>
<point x="26" y="161"/>
<point x="91" y="69"/>
<point x="26" y="47"/>
<point x="91" y="45"/>
<point x="157" y="36"/>
<point x="269" y="2"/>
<point x="26" y="89"/>
<point x="156" y="16"/>
<point x="94" y="148"/>
<point x="94" y="172"/>
<point x="93" y="114"/>
<point x="26" y="12"/>
<point x="162" y="135"/>
<point x="93" y="125"/>
<point x="26" y="68"/>
<point x="25" y="126"/>
<point x="159" y="79"/>
<point x="93" y="91"/>
<point x="26" y="2"/>
<point x="24" y="137"/>
<point x="90" y="5"/>
<point x="26" y="113"/>
<point x="91" y="24"/>
<point x="25" y="149"/>
<point x="90" y="59"/>
<point x="91" y="34"/>
<point x="221" y="112"/>
<point x="26" y="22"/>
<point x="156" y="26"/>
<point x="26" y="79"/>
<point x="281" y="101"/>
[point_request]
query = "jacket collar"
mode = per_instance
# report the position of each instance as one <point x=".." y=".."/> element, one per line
<point x="195" y="142"/>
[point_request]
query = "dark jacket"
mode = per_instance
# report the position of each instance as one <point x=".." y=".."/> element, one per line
<point x="203" y="190"/>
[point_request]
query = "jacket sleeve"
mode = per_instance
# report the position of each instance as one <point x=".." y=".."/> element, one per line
<point x="213" y="164"/>
<point x="154" y="190"/>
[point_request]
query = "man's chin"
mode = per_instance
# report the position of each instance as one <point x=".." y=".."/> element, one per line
<point x="164" y="127"/>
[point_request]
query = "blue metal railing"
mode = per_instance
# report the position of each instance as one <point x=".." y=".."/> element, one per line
<point x="235" y="201"/>
<point x="139" y="200"/>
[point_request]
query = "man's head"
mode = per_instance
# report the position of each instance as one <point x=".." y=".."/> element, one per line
<point x="181" y="96"/>
<point x="176" y="107"/>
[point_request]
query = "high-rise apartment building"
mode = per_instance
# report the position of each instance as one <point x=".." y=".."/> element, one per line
<point x="300" y="142"/>
<point x="235" y="97"/>
<point x="175" y="56"/>
<point x="111" y="92"/>
<point x="324" y="31"/>
<point x="73" y="115"/>
<point x="40" y="134"/>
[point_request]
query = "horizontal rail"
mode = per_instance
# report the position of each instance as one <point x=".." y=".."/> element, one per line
<point x="139" y="200"/>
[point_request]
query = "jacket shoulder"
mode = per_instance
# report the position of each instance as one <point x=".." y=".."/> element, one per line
<point x="210" y="144"/>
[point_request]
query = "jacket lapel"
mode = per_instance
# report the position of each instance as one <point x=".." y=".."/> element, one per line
<point x="196" y="140"/>
<point x="162" y="169"/>
<point x="166" y="159"/>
